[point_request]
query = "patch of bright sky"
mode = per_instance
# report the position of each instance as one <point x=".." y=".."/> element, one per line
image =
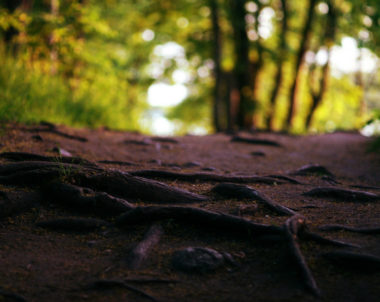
<point x="157" y="123"/>
<point x="344" y="59"/>
<point x="165" y="95"/>
<point x="347" y="58"/>
<point x="162" y="94"/>
<point x="265" y="22"/>
<point x="371" y="129"/>
<point x="147" y="35"/>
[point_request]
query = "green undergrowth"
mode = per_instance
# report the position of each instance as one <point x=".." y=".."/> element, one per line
<point x="29" y="96"/>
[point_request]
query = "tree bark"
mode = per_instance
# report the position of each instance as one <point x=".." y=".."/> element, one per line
<point x="279" y="73"/>
<point x="305" y="38"/>
<point x="217" y="50"/>
<point x="329" y="37"/>
<point x="242" y="75"/>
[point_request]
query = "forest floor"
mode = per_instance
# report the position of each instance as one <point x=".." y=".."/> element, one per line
<point x="42" y="262"/>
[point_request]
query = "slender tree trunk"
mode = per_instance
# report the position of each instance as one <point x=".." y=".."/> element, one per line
<point x="317" y="97"/>
<point x="258" y="63"/>
<point x="305" y="39"/>
<point x="242" y="75"/>
<point x="217" y="50"/>
<point x="279" y="74"/>
<point x="329" y="37"/>
<point x="54" y="10"/>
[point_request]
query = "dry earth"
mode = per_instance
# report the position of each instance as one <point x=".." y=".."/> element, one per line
<point x="40" y="264"/>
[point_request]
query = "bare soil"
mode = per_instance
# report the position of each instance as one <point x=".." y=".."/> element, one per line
<point x="40" y="264"/>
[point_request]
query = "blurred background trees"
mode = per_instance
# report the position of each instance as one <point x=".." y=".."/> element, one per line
<point x="172" y="67"/>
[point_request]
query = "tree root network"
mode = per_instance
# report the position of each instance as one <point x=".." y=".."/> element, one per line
<point x="82" y="185"/>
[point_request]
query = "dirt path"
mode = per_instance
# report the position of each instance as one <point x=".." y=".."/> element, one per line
<point x="259" y="249"/>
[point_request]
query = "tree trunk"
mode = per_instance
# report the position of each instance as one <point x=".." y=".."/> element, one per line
<point x="305" y="39"/>
<point x="217" y="50"/>
<point x="54" y="9"/>
<point x="329" y="37"/>
<point x="241" y="72"/>
<point x="280" y="61"/>
<point x="258" y="63"/>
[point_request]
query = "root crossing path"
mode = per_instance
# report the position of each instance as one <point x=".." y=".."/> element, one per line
<point x="104" y="220"/>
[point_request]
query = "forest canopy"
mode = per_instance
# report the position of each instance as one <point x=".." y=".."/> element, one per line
<point x="190" y="66"/>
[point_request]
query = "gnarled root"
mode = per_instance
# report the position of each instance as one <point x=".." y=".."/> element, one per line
<point x="196" y="216"/>
<point x="345" y="194"/>
<point x="353" y="260"/>
<point x="205" y="177"/>
<point x="241" y="191"/>
<point x="113" y="182"/>
<point x="338" y="227"/>
<point x="292" y="227"/>
<point x="107" y="284"/>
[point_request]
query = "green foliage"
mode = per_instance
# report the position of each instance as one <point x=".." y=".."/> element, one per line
<point x="88" y="64"/>
<point x="31" y="96"/>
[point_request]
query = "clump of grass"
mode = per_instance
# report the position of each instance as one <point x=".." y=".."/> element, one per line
<point x="28" y="95"/>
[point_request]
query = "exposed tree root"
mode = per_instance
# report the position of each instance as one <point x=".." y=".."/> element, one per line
<point x="241" y="191"/>
<point x="196" y="216"/>
<point x="53" y="129"/>
<point x="11" y="296"/>
<point x="16" y="202"/>
<point x="365" y="187"/>
<point x="292" y="227"/>
<point x="141" y="251"/>
<point x="338" y="227"/>
<point x="116" y="162"/>
<point x="288" y="179"/>
<point x="353" y="260"/>
<point x="114" y="182"/>
<point x="150" y="280"/>
<point x="127" y="186"/>
<point x="312" y="169"/>
<point x="331" y="180"/>
<point x="339" y="193"/>
<point x="255" y="141"/>
<point x="73" y="224"/>
<point x="87" y="199"/>
<point x="164" y="140"/>
<point x="109" y="284"/>
<point x="144" y="142"/>
<point x="307" y="235"/>
<point x="204" y="177"/>
<point x="24" y="156"/>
